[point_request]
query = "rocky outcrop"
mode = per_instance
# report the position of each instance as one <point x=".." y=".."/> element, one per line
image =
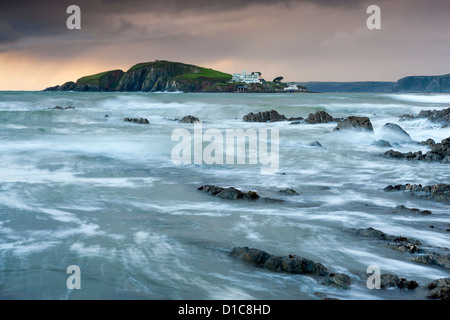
<point x="382" y="144"/>
<point x="273" y="115"/>
<point x="405" y="244"/>
<point x="320" y="117"/>
<point x="395" y="134"/>
<point x="398" y="243"/>
<point x="414" y="210"/>
<point x="290" y="264"/>
<point x="266" y="116"/>
<point x="137" y="120"/>
<point x="389" y="280"/>
<point x="315" y="144"/>
<point x="440" y="152"/>
<point x="442" y="260"/>
<point x="439" y="289"/>
<point x="230" y="193"/>
<point x="189" y="119"/>
<point x="338" y="280"/>
<point x="436" y="116"/>
<point x="355" y="124"/>
<point x="289" y="192"/>
<point x="62" y="108"/>
<point x="437" y="192"/>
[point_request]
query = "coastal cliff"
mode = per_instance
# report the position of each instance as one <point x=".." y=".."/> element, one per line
<point x="150" y="77"/>
<point x="423" y="84"/>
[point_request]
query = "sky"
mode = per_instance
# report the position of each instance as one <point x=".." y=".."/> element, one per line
<point x="303" y="40"/>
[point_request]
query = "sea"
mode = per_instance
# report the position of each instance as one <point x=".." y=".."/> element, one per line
<point x="82" y="187"/>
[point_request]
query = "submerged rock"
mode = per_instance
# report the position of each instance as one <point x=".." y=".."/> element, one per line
<point x="137" y="120"/>
<point x="437" y="192"/>
<point x="429" y="142"/>
<point x="394" y="133"/>
<point x="382" y="144"/>
<point x="290" y="264"/>
<point x="414" y="210"/>
<point x="440" y="152"/>
<point x="439" y="289"/>
<point x="266" y="116"/>
<point x="320" y="117"/>
<point x="232" y="193"/>
<point x="315" y="144"/>
<point x="442" y="260"/>
<point x="389" y="280"/>
<point x="405" y="244"/>
<point x="373" y="233"/>
<point x="229" y="193"/>
<point x="355" y="124"/>
<point x="338" y="280"/>
<point x="436" y="116"/>
<point x="62" y="108"/>
<point x="289" y="192"/>
<point x="189" y="119"/>
<point x="399" y="243"/>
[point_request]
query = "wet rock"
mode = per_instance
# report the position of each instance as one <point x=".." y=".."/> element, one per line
<point x="406" y="156"/>
<point x="405" y="244"/>
<point x="323" y="296"/>
<point x="289" y="192"/>
<point x="436" y="116"/>
<point x="137" y="120"/>
<point x="355" y="124"/>
<point x="399" y="243"/>
<point x="414" y="210"/>
<point x="256" y="256"/>
<point x="389" y="280"/>
<point x="229" y="193"/>
<point x="382" y="144"/>
<point x="315" y="144"/>
<point x="266" y="116"/>
<point x="290" y="264"/>
<point x="189" y="119"/>
<point x="373" y="233"/>
<point x="395" y="133"/>
<point x="429" y="142"/>
<point x="320" y="117"/>
<point x="62" y="108"/>
<point x="442" y="260"/>
<point x="439" y="289"/>
<point x="296" y="120"/>
<point x="338" y="280"/>
<point x="437" y="192"/>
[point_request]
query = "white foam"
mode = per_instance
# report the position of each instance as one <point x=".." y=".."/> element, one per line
<point x="429" y="98"/>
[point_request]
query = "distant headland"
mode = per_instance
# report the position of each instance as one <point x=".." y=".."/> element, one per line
<point x="168" y="76"/>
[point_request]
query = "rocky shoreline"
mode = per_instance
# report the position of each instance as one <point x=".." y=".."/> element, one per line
<point x="298" y="265"/>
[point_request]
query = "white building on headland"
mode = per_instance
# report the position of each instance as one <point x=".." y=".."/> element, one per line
<point x="246" y="77"/>
<point x="291" y="87"/>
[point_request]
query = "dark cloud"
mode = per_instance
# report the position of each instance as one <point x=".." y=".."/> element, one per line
<point x="30" y="18"/>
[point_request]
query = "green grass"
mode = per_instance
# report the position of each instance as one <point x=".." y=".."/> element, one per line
<point x="95" y="78"/>
<point x="146" y="64"/>
<point x="180" y="70"/>
<point x="207" y="73"/>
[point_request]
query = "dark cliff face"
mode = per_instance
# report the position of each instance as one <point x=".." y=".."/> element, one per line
<point x="149" y="77"/>
<point x="423" y="84"/>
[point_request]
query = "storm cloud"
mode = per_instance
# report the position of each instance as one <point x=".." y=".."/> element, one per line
<point x="302" y="40"/>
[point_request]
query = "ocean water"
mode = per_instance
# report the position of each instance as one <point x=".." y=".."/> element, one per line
<point x="80" y="188"/>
